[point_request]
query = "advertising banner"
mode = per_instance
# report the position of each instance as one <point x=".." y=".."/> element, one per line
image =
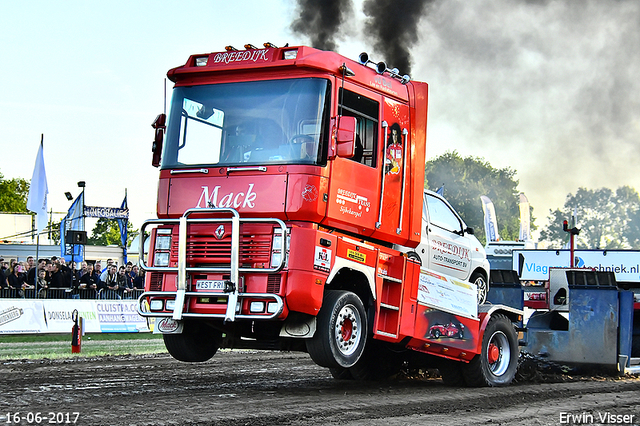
<point x="107" y="212"/>
<point x="448" y="294"/>
<point x="54" y="316"/>
<point x="533" y="265"/>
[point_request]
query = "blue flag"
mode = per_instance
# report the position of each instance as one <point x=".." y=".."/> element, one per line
<point x="73" y="221"/>
<point x="122" y="223"/>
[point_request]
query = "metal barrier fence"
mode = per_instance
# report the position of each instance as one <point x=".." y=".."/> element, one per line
<point x="66" y="293"/>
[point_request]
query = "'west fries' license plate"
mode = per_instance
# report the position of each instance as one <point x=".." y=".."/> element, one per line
<point x="211" y="285"/>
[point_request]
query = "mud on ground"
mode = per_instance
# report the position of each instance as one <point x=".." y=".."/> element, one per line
<point x="273" y="388"/>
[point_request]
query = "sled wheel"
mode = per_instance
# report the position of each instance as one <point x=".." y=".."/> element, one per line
<point x="340" y="334"/>
<point x="483" y="287"/>
<point x="197" y="343"/>
<point x="497" y="364"/>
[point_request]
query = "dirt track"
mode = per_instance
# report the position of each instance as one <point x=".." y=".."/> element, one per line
<point x="271" y="388"/>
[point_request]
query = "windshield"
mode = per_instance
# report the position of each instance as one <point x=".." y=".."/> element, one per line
<point x="258" y="122"/>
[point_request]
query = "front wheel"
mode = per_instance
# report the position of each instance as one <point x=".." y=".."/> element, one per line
<point x="497" y="363"/>
<point x="341" y="329"/>
<point x="483" y="287"/>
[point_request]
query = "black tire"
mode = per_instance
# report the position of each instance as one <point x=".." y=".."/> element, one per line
<point x="340" y="373"/>
<point x="483" y="286"/>
<point x="498" y="362"/>
<point x="341" y="329"/>
<point x="197" y="343"/>
<point x="635" y="346"/>
<point x="436" y="334"/>
<point x="452" y="372"/>
<point x="377" y="363"/>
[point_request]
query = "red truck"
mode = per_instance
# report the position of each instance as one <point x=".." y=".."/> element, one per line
<point x="292" y="216"/>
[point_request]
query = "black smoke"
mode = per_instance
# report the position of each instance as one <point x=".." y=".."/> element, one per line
<point x="393" y="25"/>
<point x="321" y="21"/>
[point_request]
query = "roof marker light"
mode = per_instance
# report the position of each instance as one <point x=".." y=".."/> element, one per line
<point x="250" y="46"/>
<point x="268" y="45"/>
<point x="290" y="54"/>
<point x="230" y="48"/>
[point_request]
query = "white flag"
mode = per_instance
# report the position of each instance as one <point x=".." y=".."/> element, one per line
<point x="490" y="220"/>
<point x="37" y="201"/>
<point x="525" y="219"/>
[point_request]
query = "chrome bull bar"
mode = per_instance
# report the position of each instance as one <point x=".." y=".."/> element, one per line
<point x="234" y="268"/>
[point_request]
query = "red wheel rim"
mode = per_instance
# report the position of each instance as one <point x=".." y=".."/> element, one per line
<point x="347" y="329"/>
<point x="493" y="353"/>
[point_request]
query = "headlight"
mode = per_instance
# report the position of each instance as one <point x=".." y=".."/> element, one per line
<point x="276" y="259"/>
<point x="256" y="307"/>
<point x="171" y="304"/>
<point x="161" y="259"/>
<point x="272" y="307"/>
<point x="290" y="54"/>
<point x="276" y="247"/>
<point x="156" y="305"/>
<point x="163" y="242"/>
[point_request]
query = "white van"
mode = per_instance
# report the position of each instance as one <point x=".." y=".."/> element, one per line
<point x="448" y="245"/>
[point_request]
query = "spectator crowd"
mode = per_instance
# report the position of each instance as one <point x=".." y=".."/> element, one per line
<point x="55" y="278"/>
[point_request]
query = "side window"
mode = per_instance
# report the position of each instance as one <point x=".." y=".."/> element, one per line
<point x="441" y="215"/>
<point x="366" y="112"/>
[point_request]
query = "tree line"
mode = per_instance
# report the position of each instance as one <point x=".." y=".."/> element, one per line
<point x="608" y="219"/>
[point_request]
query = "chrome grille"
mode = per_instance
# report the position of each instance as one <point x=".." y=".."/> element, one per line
<point x="202" y="250"/>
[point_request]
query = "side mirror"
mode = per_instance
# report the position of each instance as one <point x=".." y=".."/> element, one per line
<point x="469" y="230"/>
<point x="346" y="136"/>
<point x="156" y="148"/>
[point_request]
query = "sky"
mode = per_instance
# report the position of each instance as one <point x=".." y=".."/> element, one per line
<point x="549" y="88"/>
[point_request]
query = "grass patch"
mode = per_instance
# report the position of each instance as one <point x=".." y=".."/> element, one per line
<point x="54" y="346"/>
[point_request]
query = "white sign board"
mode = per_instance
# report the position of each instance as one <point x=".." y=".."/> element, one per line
<point x="54" y="316"/>
<point x="448" y="294"/>
<point x="533" y="265"/>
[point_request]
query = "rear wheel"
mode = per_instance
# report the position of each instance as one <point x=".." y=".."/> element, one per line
<point x="497" y="364"/>
<point x="340" y="335"/>
<point x="196" y="343"/>
<point x="483" y="287"/>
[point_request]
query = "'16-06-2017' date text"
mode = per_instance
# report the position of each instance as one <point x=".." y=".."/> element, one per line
<point x="38" y="418"/>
